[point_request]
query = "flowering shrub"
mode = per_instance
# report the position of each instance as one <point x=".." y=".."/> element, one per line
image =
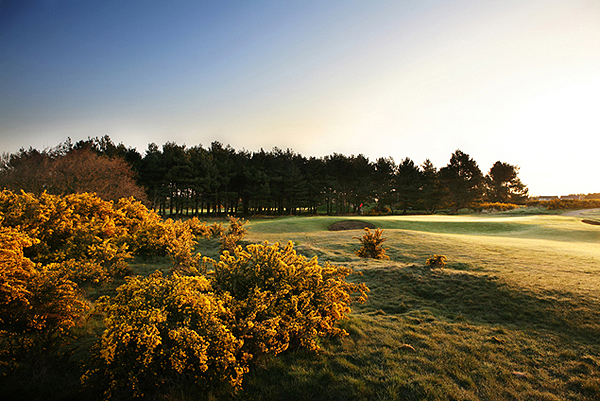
<point x="201" y="229"/>
<point x="161" y="331"/>
<point x="145" y="228"/>
<point x="371" y="245"/>
<point x="436" y="260"/>
<point x="179" y="241"/>
<point x="200" y="326"/>
<point x="33" y="299"/>
<point x="379" y="210"/>
<point x="495" y="206"/>
<point x="234" y="234"/>
<point x="557" y="204"/>
<point x="282" y="299"/>
<point x="69" y="230"/>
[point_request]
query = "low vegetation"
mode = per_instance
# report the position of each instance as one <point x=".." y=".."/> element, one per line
<point x="199" y="327"/>
<point x="372" y="245"/>
<point x="436" y="260"/>
<point x="511" y="315"/>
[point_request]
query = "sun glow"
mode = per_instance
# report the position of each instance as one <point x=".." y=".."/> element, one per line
<point x="566" y="112"/>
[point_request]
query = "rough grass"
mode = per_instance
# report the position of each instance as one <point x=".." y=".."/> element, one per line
<point x="513" y="315"/>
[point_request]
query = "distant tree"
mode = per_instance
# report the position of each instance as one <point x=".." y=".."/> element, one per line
<point x="431" y="190"/>
<point x="67" y="170"/>
<point x="385" y="173"/>
<point x="338" y="182"/>
<point x="360" y="177"/>
<point x="315" y="183"/>
<point x="222" y="160"/>
<point x="83" y="171"/>
<point x="462" y="179"/>
<point x="152" y="176"/>
<point x="204" y="177"/>
<point x="27" y="169"/>
<point x="178" y="175"/>
<point x="258" y="188"/>
<point x="503" y="184"/>
<point x="295" y="188"/>
<point x="106" y="147"/>
<point x="408" y="183"/>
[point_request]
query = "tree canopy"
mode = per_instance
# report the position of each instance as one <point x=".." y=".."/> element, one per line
<point x="462" y="180"/>
<point x="504" y="185"/>
<point x="68" y="169"/>
<point x="177" y="179"/>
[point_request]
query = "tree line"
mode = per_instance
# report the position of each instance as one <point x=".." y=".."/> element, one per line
<point x="179" y="180"/>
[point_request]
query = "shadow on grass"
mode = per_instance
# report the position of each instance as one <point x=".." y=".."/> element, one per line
<point x="371" y="363"/>
<point x="480" y="298"/>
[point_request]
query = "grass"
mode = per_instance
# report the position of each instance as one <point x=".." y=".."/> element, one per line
<point x="514" y="315"/>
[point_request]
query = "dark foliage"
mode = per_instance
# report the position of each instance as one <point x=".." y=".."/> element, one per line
<point x="218" y="180"/>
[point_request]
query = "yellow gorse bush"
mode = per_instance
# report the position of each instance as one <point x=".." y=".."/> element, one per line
<point x="33" y="299"/>
<point x="201" y="326"/>
<point x="166" y="330"/>
<point x="283" y="299"/>
<point x="70" y="230"/>
<point x="371" y="245"/>
<point x="495" y="206"/>
<point x="205" y="330"/>
<point x="235" y="233"/>
<point x="436" y="260"/>
<point x="90" y="239"/>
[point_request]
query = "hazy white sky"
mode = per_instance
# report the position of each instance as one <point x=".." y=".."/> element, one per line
<point x="515" y="81"/>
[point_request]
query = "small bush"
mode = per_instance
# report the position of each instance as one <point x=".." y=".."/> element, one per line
<point x="495" y="207"/>
<point x="235" y="233"/>
<point x="145" y="228"/>
<point x="216" y="229"/>
<point x="180" y="241"/>
<point x="199" y="228"/>
<point x="379" y="210"/>
<point x="436" y="260"/>
<point x="371" y="245"/>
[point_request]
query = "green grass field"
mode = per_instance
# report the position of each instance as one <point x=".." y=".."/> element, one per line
<point x="514" y="315"/>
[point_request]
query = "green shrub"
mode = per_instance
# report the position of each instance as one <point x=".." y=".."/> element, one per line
<point x="371" y="245"/>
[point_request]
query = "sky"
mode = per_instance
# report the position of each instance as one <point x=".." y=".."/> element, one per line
<point x="516" y="81"/>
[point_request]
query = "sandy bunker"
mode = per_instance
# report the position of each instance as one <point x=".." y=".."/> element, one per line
<point x="350" y="225"/>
